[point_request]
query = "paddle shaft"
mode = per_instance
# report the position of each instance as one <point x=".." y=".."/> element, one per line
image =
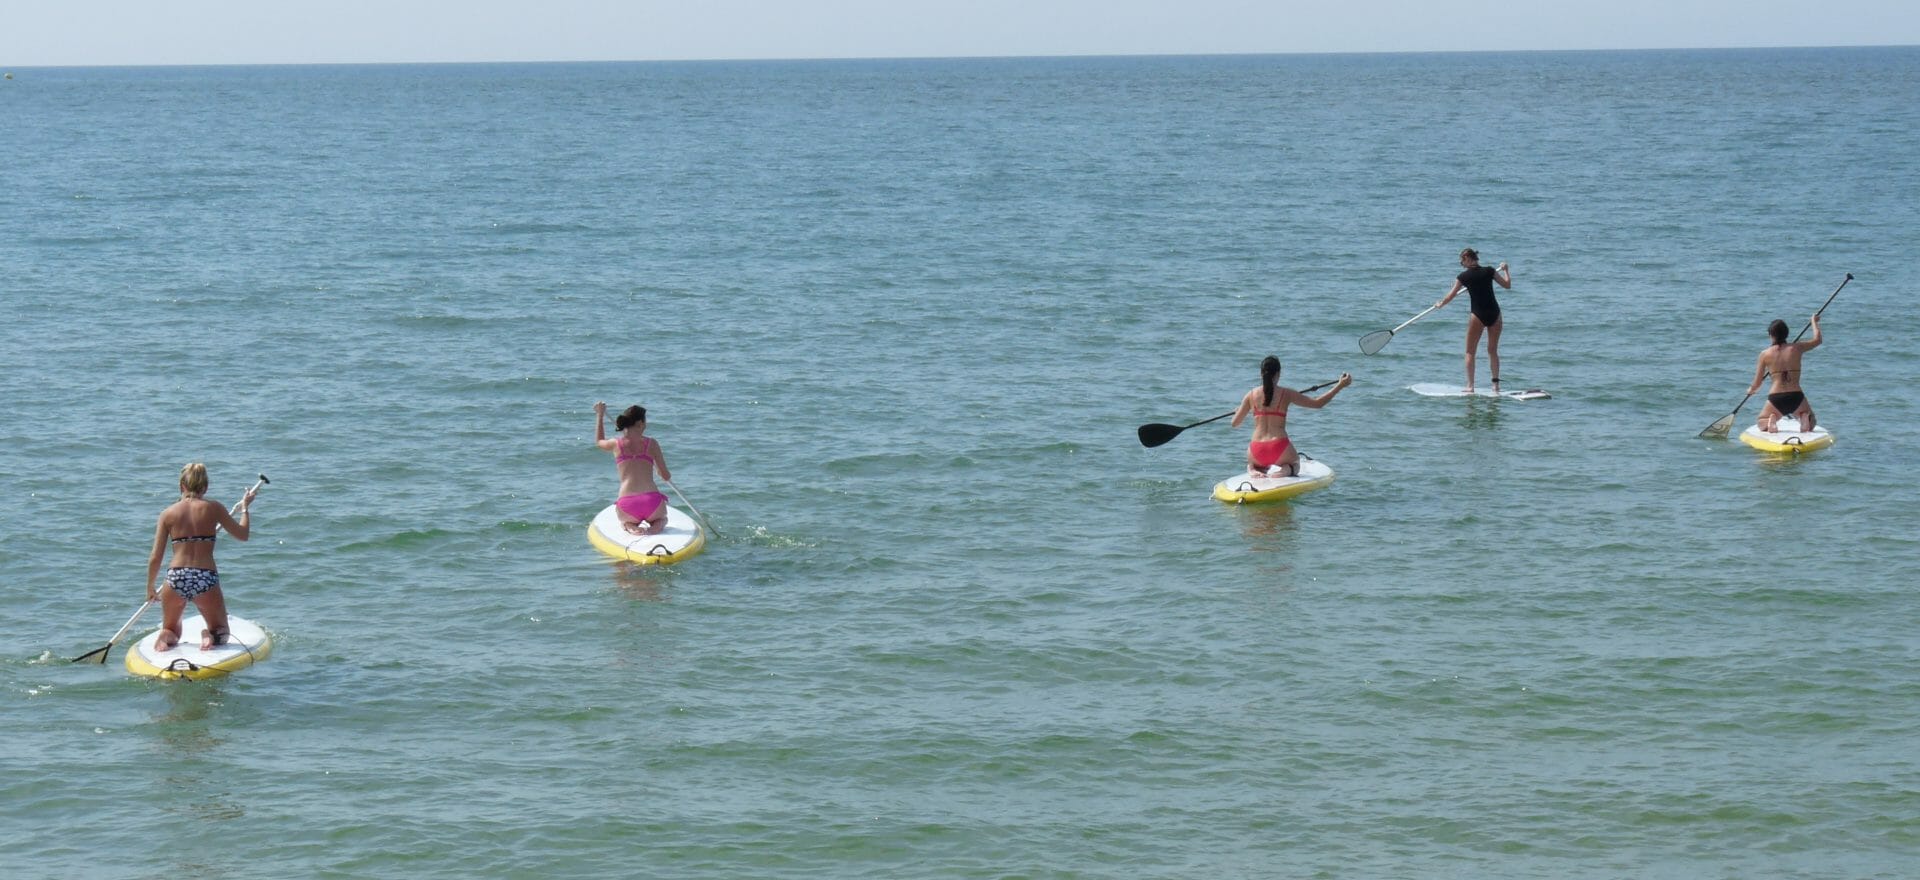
<point x="1409" y="321"/>
<point x="1796" y="338"/>
<point x="122" y="632"/>
<point x="1236" y="409"/>
<point x="1372" y="343"/>
<point x="696" y="511"/>
<point x="1823" y="307"/>
<point x="1176" y="429"/>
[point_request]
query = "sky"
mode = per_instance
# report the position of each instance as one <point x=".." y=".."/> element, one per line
<point x="143" y="32"/>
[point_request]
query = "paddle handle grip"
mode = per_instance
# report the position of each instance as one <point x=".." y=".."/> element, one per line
<point x="256" y="487"/>
<point x="1205" y="421"/>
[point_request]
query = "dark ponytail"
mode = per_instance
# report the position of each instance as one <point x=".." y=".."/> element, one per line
<point x="1269" y="371"/>
<point x="634" y="415"/>
<point x="1778" y="330"/>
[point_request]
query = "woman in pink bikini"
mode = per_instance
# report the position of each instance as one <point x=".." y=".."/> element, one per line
<point x="642" y="507"/>
<point x="1268" y="404"/>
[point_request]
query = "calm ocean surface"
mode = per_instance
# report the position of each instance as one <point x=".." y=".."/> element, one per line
<point x="896" y="323"/>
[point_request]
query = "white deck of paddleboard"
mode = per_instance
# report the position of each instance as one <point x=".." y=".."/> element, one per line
<point x="246" y="635"/>
<point x="1789" y="433"/>
<point x="1447" y="389"/>
<point x="681" y="531"/>
<point x="1310" y="472"/>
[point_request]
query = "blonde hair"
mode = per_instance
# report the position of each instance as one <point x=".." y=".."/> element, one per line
<point x="193" y="479"/>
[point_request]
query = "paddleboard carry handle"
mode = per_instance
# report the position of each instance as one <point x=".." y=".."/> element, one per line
<point x="182" y="664"/>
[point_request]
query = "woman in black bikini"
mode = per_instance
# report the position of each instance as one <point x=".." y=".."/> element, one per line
<point x="1782" y="359"/>
<point x="190" y="525"/>
<point x="1478" y="281"/>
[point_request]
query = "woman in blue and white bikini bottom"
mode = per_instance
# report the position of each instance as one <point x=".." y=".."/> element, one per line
<point x="190" y="526"/>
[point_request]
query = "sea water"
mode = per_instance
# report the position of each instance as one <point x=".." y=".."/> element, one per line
<point x="895" y="324"/>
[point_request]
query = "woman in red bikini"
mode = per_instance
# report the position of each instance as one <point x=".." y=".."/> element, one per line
<point x="642" y="506"/>
<point x="1268" y="404"/>
<point x="189" y="525"/>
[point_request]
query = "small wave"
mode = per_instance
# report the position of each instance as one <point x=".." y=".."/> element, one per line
<point x="758" y="536"/>
<point x="534" y="228"/>
<point x="522" y="383"/>
<point x="77" y="240"/>
<point x="875" y="463"/>
<point x="451" y="322"/>
<point x="403" y="540"/>
<point x="522" y="527"/>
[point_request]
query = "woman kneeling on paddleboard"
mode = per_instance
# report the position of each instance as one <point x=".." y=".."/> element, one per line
<point x="642" y="506"/>
<point x="190" y="525"/>
<point x="1268" y="404"/>
<point x="1782" y="359"/>
<point x="1484" y="309"/>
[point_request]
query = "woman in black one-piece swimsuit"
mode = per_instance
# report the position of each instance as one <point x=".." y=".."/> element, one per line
<point x="1478" y="281"/>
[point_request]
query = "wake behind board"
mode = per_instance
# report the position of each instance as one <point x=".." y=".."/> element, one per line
<point x="247" y="645"/>
<point x="682" y="539"/>
<point x="1788" y="439"/>
<point x="1442" y="389"/>
<point x="1245" y="488"/>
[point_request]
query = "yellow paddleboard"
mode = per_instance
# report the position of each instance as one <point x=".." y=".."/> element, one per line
<point x="682" y="539"/>
<point x="247" y="645"/>
<point x="1788" y="438"/>
<point x="1245" y="488"/>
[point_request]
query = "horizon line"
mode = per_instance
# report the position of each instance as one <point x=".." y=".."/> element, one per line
<point x="1009" y="57"/>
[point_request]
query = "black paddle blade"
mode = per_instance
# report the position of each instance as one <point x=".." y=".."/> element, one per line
<point x="96" y="656"/>
<point x="1157" y="435"/>
<point x="1718" y="430"/>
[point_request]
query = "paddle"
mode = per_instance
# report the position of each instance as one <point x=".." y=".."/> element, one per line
<point x="1158" y="434"/>
<point x="1720" y="426"/>
<point x="1378" y="339"/>
<point x="99" y="655"/>
<point x="696" y="511"/>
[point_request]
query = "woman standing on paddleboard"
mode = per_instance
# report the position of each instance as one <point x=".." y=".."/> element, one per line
<point x="642" y="506"/>
<point x="1782" y="359"/>
<point x="190" y="525"/>
<point x="1478" y="281"/>
<point x="1268" y="404"/>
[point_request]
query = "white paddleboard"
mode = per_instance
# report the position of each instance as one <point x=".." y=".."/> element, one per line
<point x="1788" y="437"/>
<point x="682" y="538"/>
<point x="1442" y="389"/>
<point x="1245" y="488"/>
<point x="247" y="644"/>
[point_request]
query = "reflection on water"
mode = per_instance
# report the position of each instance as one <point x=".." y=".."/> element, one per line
<point x="1268" y="528"/>
<point x="186" y="738"/>
<point x="1483" y="414"/>
<point x="1780" y="463"/>
<point x="645" y="583"/>
<point x="186" y="727"/>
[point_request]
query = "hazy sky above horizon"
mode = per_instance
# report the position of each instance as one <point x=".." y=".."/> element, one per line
<point x="116" y="32"/>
